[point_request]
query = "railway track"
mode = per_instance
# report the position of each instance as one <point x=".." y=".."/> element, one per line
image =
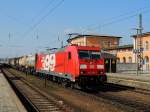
<point x="116" y="87"/>
<point x="39" y="101"/>
<point x="109" y="92"/>
<point x="112" y="93"/>
<point x="134" y="105"/>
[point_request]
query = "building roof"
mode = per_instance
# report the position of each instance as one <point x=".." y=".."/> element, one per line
<point x="143" y="34"/>
<point x="125" y="46"/>
<point x="121" y="47"/>
<point x="108" y="55"/>
<point x="100" y="36"/>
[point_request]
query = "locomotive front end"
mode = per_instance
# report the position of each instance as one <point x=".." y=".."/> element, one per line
<point x="91" y="67"/>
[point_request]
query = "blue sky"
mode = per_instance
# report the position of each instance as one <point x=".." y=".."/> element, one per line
<point x="22" y="31"/>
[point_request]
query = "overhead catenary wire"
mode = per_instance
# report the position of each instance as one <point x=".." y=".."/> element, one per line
<point x="10" y="17"/>
<point x="125" y="18"/>
<point x="42" y="18"/>
<point x="21" y="22"/>
<point x="36" y="16"/>
<point x="42" y="10"/>
<point x="128" y="13"/>
<point x="119" y="18"/>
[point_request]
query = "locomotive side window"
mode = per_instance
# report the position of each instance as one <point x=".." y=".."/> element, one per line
<point x="89" y="54"/>
<point x="69" y="55"/>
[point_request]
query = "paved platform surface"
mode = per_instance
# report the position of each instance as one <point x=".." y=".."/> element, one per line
<point x="140" y="77"/>
<point x="9" y="102"/>
<point x="140" y="81"/>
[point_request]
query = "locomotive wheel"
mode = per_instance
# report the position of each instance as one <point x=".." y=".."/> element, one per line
<point x="73" y="85"/>
<point x="64" y="84"/>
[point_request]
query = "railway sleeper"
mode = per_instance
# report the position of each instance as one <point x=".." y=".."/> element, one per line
<point x="48" y="108"/>
<point x="38" y="102"/>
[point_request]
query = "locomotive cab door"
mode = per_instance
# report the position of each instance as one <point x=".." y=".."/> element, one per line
<point x="113" y="65"/>
<point x="107" y="65"/>
<point x="110" y="65"/>
<point x="68" y="62"/>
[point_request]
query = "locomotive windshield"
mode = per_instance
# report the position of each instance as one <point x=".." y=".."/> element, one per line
<point x="89" y="54"/>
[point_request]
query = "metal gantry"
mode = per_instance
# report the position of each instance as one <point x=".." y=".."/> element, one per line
<point x="139" y="46"/>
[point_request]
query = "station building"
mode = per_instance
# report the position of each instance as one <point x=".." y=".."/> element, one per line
<point x="113" y="51"/>
<point x="126" y="53"/>
<point x="102" y="41"/>
<point x="143" y="42"/>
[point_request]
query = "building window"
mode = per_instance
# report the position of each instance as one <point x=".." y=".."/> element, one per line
<point x="146" y="45"/>
<point x="146" y="63"/>
<point x="124" y="60"/>
<point x="109" y="44"/>
<point x="146" y="59"/>
<point x="130" y="59"/>
<point x="82" y="43"/>
<point x="118" y="60"/>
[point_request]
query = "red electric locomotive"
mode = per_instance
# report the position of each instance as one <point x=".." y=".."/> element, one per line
<point x="73" y="65"/>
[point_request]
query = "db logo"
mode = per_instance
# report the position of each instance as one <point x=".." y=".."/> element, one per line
<point x="48" y="62"/>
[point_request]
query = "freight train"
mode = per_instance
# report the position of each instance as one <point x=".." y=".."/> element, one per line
<point x="72" y="65"/>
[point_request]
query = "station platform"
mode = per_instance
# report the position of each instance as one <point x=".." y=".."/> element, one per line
<point x="9" y="102"/>
<point x="138" y="81"/>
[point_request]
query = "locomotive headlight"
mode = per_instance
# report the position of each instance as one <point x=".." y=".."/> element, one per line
<point x="100" y="66"/>
<point x="82" y="72"/>
<point x="83" y="66"/>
